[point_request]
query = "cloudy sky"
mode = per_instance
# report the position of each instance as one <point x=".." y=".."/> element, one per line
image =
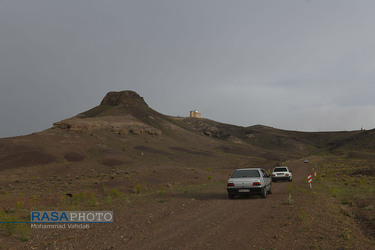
<point x="306" y="65"/>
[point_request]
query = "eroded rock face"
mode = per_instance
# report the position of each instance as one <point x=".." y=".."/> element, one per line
<point x="122" y="125"/>
<point x="123" y="98"/>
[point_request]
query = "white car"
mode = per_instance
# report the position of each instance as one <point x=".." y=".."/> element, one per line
<point x="282" y="173"/>
<point x="248" y="181"/>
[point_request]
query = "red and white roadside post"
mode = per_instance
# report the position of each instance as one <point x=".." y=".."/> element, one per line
<point x="309" y="180"/>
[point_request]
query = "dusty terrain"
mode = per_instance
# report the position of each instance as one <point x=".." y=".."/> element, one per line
<point x="201" y="216"/>
<point x="165" y="178"/>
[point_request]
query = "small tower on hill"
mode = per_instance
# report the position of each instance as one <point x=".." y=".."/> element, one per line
<point x="195" y="113"/>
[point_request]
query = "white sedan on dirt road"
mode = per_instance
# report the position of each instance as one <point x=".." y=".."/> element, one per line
<point x="282" y="173"/>
<point x="248" y="181"/>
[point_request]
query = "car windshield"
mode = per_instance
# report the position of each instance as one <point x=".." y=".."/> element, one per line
<point x="280" y="170"/>
<point x="245" y="173"/>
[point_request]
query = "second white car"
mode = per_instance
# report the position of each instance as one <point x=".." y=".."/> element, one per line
<point x="282" y="173"/>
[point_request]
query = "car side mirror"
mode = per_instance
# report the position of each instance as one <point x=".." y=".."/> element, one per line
<point x="290" y="170"/>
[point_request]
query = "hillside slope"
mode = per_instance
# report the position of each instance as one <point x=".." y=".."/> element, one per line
<point x="123" y="127"/>
<point x="124" y="132"/>
<point x="123" y="122"/>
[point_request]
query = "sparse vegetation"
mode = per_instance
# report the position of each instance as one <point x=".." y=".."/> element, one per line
<point x="346" y="234"/>
<point x="353" y="191"/>
<point x="10" y="226"/>
<point x="114" y="192"/>
<point x="161" y="191"/>
<point x="303" y="217"/>
<point x="138" y="188"/>
<point x="289" y="200"/>
<point x="24" y="232"/>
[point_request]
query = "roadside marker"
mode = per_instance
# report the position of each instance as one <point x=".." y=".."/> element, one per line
<point x="309" y="180"/>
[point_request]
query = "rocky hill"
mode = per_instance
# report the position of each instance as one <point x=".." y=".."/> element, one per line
<point x="119" y="112"/>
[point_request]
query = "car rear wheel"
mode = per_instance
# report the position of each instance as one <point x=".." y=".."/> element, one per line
<point x="264" y="193"/>
<point x="270" y="190"/>
<point x="290" y="179"/>
<point x="230" y="196"/>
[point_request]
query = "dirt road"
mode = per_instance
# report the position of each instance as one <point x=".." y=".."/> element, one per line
<point x="196" y="220"/>
<point x="211" y="220"/>
<point x="202" y="217"/>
